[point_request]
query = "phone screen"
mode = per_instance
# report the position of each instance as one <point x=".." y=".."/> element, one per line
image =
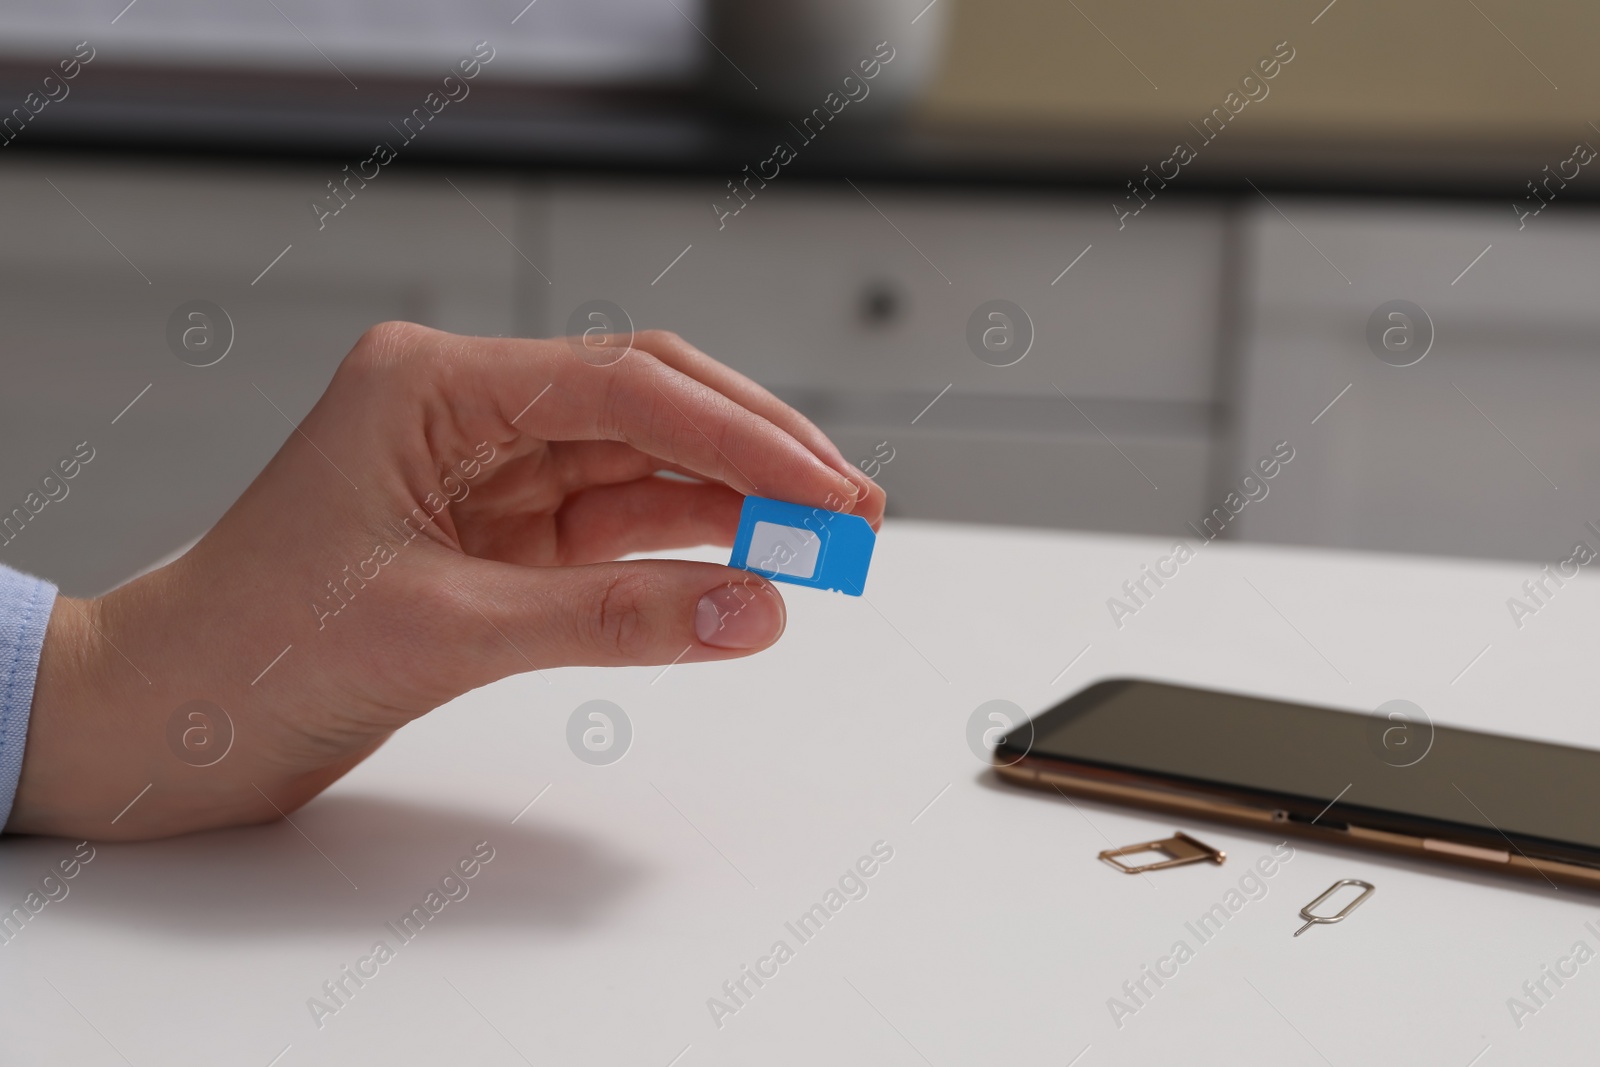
<point x="1392" y="765"/>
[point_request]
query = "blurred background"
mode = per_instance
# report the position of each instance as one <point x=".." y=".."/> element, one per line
<point x="1076" y="265"/>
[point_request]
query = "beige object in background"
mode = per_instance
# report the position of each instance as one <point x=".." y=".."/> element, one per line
<point x="1439" y="69"/>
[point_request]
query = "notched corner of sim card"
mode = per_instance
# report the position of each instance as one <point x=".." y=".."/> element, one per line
<point x="803" y="545"/>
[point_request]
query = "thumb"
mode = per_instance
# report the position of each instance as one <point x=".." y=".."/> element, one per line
<point x="635" y="613"/>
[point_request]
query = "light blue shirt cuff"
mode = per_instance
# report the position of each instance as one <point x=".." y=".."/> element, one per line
<point x="25" y="605"/>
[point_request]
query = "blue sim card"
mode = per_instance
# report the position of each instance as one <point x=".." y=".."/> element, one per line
<point x="803" y="545"/>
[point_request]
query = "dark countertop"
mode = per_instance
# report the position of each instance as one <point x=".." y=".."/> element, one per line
<point x="676" y="132"/>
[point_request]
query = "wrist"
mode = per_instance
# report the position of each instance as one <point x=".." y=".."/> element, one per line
<point x="100" y="760"/>
<point x="60" y="743"/>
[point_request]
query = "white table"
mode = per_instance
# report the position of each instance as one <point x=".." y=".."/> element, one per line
<point x="628" y="894"/>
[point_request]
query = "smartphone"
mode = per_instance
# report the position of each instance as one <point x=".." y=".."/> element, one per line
<point x="1387" y="780"/>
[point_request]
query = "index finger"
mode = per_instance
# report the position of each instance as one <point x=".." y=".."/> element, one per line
<point x="681" y="355"/>
<point x="655" y="408"/>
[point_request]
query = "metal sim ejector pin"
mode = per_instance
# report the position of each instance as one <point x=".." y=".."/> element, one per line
<point x="1367" y="889"/>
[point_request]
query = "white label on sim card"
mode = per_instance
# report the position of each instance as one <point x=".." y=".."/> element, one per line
<point x="783" y="550"/>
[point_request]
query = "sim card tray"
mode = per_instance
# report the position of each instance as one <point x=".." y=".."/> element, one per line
<point x="1180" y="847"/>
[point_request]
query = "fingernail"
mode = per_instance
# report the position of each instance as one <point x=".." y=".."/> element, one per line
<point x="864" y="485"/>
<point x="854" y="491"/>
<point x="738" y="615"/>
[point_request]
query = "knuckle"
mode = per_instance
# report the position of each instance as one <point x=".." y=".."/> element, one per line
<point x="666" y="340"/>
<point x="384" y="347"/>
<point x="626" y="396"/>
<point x="657" y="334"/>
<point x="640" y="361"/>
<point x="393" y="338"/>
<point x="623" y="624"/>
<point x="396" y="357"/>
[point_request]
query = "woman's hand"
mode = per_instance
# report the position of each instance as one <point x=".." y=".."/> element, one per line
<point x="446" y="515"/>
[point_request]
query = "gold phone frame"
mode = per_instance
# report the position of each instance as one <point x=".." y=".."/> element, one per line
<point x="1149" y="792"/>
